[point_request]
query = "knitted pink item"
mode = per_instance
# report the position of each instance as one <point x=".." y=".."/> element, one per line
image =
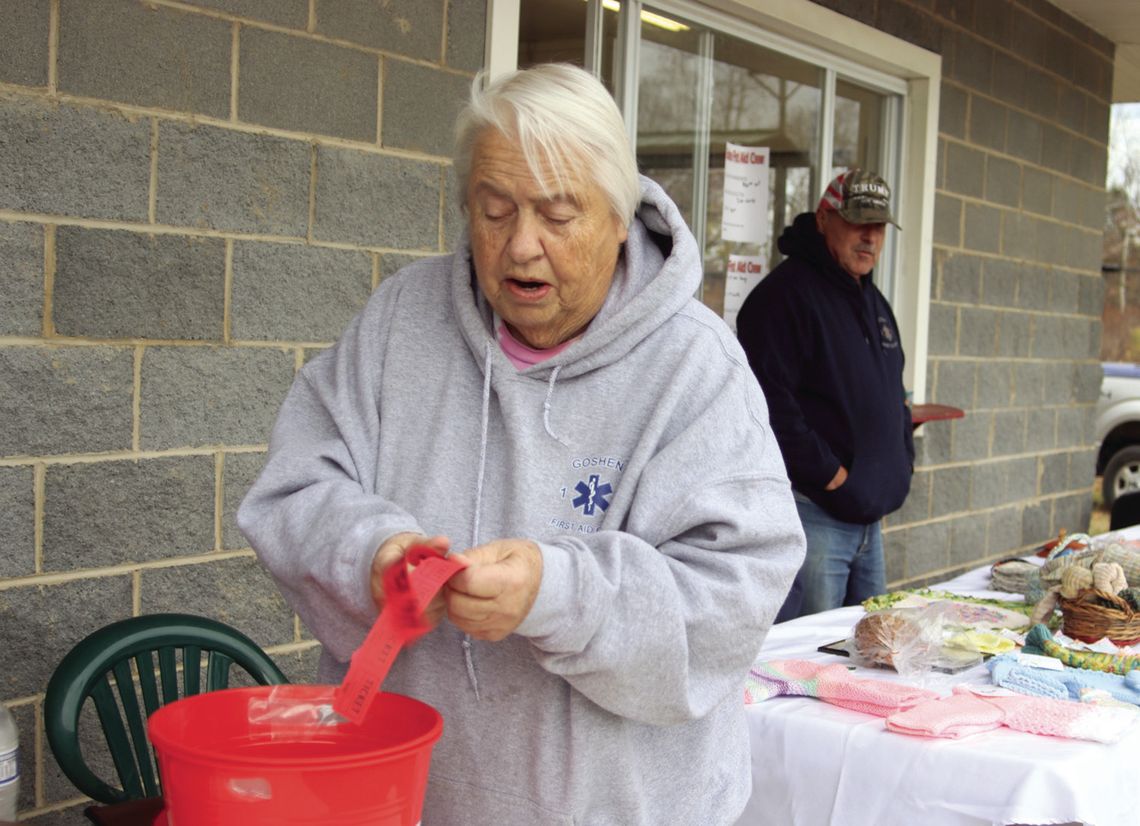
<point x="831" y="683"/>
<point x="970" y="711"/>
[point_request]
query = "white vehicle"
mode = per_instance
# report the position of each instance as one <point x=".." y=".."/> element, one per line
<point x="1118" y="430"/>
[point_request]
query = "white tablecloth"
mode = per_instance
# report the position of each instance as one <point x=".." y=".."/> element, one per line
<point x="814" y="764"/>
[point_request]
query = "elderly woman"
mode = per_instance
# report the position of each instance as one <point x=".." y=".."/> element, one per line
<point x="552" y="404"/>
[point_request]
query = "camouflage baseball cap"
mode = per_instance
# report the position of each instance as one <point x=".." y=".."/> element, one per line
<point x="860" y="197"/>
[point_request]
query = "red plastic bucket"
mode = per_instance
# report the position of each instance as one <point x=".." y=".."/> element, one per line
<point x="224" y="760"/>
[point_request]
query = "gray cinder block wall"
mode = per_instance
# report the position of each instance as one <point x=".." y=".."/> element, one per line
<point x="195" y="197"/>
<point x="1016" y="295"/>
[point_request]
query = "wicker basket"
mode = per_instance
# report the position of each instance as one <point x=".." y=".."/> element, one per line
<point x="1086" y="619"/>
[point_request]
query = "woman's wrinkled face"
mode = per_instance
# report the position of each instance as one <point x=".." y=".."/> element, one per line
<point x="544" y="261"/>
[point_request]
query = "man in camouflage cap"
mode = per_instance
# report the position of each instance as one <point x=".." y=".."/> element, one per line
<point x="823" y="342"/>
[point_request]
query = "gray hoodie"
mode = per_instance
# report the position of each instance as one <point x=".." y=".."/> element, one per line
<point x="641" y="462"/>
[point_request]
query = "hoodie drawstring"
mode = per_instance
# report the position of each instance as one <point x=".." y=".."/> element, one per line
<point x="546" y="405"/>
<point x="467" y="655"/>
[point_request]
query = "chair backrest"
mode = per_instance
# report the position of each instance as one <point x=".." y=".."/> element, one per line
<point x="128" y="670"/>
<point x="1125" y="511"/>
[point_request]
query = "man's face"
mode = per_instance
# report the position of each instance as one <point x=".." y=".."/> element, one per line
<point x="544" y="262"/>
<point x="855" y="247"/>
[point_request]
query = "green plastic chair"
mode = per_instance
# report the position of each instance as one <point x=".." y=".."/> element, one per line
<point x="130" y="669"/>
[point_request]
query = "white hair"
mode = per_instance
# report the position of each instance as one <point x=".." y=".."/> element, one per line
<point x="563" y="119"/>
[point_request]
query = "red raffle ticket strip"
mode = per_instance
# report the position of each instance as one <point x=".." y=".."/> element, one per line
<point x="401" y="622"/>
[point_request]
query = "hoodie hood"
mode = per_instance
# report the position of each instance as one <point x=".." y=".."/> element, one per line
<point x="658" y="272"/>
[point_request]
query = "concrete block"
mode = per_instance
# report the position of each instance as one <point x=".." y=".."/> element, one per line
<point x="973" y="61"/>
<point x="1071" y="107"/>
<point x="906" y="22"/>
<point x="392" y="262"/>
<point x="1018" y="238"/>
<point x="970" y="439"/>
<point x="1027" y="37"/>
<point x="113" y="513"/>
<point x="1064" y="291"/>
<point x="983" y="228"/>
<point x="1015" y="334"/>
<point x="1022" y="473"/>
<point x="364" y="198"/>
<point x="42" y="622"/>
<point x="407" y="27"/>
<point x="1091" y="300"/>
<point x="1003" y="531"/>
<point x="894" y="554"/>
<point x="1003" y="181"/>
<point x="24" y="54"/>
<point x="950" y="490"/>
<point x="994" y="22"/>
<point x="220" y="179"/>
<point x="943" y="336"/>
<point x="927" y="548"/>
<point x="64" y="160"/>
<point x="1072" y="427"/>
<point x="1082" y="469"/>
<point x="952" y="105"/>
<point x="466" y="25"/>
<point x="987" y="123"/>
<point x="1068" y="201"/>
<point x="293" y="14"/>
<point x="932" y="445"/>
<point x="947" y="220"/>
<point x="237" y="591"/>
<point x="17" y="522"/>
<point x="995" y="384"/>
<point x="22" y="274"/>
<point x="1033" y="287"/>
<point x="1071" y="513"/>
<point x="1035" y="524"/>
<point x="1023" y="136"/>
<point x="1086" y="382"/>
<point x="239" y="470"/>
<point x="194" y="396"/>
<point x="961" y="279"/>
<point x="978" y="333"/>
<point x="65" y="400"/>
<point x="1060" y="377"/>
<point x="308" y="86"/>
<point x="454" y="221"/>
<point x="967" y="540"/>
<point x="408" y="123"/>
<point x="916" y="508"/>
<point x="300" y="666"/>
<point x="1056" y="149"/>
<point x="1097" y="118"/>
<point x="965" y="170"/>
<point x="1054" y="473"/>
<point x="116" y="284"/>
<point x="1088" y="161"/>
<point x="955" y="383"/>
<point x="1041" y="429"/>
<point x="1009" y="78"/>
<point x="286" y="292"/>
<point x="1037" y="191"/>
<point x="1000" y="278"/>
<point x="145" y="55"/>
<point x="1009" y="432"/>
<point x="1041" y="94"/>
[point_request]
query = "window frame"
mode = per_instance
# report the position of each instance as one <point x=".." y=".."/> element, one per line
<point x="839" y="45"/>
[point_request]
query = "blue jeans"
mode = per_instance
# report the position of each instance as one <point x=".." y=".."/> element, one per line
<point x="844" y="563"/>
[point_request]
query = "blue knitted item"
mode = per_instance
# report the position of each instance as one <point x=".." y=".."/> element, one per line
<point x="1007" y="672"/>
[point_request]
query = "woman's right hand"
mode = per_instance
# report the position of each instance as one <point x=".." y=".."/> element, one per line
<point x="393" y="551"/>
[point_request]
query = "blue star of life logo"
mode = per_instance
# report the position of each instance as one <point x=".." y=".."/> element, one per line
<point x="592" y="495"/>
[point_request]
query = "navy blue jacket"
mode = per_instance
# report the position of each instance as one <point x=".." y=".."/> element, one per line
<point x="826" y="350"/>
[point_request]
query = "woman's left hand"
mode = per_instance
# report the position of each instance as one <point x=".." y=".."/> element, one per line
<point x="495" y="592"/>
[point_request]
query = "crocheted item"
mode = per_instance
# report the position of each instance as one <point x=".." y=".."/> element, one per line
<point x="877" y="603"/>
<point x="1040" y="641"/>
<point x="1013" y="575"/>
<point x="970" y="711"/>
<point x="1068" y="684"/>
<point x="833" y="684"/>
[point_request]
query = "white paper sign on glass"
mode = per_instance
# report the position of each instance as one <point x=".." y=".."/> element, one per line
<point x="745" y="216"/>
<point x="744" y="273"/>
